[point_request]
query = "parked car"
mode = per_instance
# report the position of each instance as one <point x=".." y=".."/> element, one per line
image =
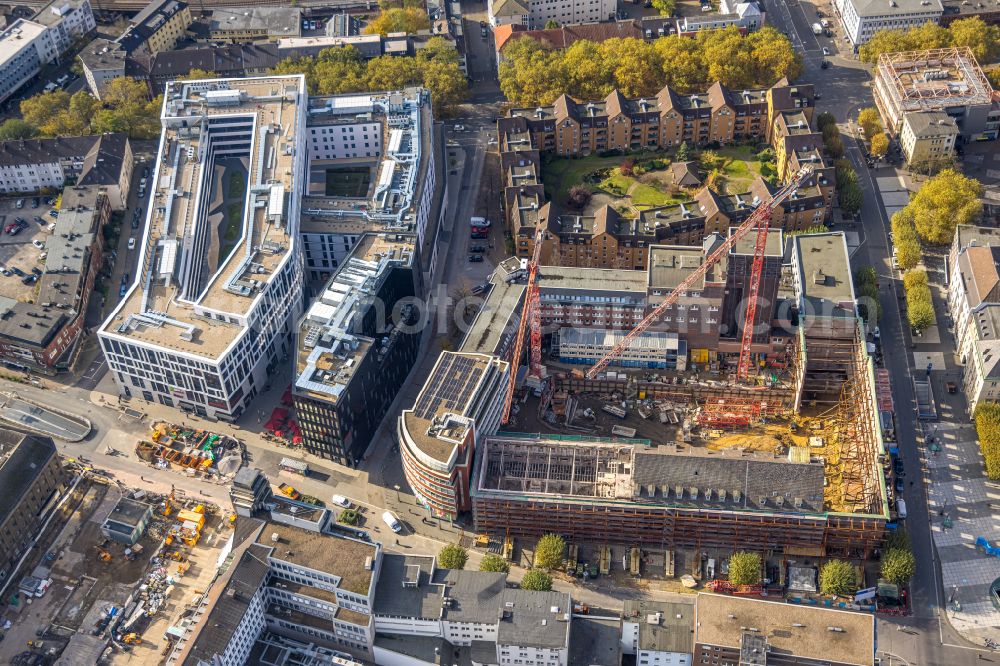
<point x="145" y="172"/>
<point x="825" y="64"/>
<point x="36" y="270"/>
<point x="480" y="288"/>
<point x="54" y="213"/>
<point x="131" y="243"/>
<point x="392" y="521"/>
<point x="29" y="279"/>
<point x="342" y="501"/>
<point x="15" y="230"/>
<point x="35" y="201"/>
<point x="899" y="486"/>
<point x="19" y="203"/>
<point x="38" y="220"/>
<point x="478" y="249"/>
<point x="17" y="271"/>
<point x="124" y="286"/>
<point x="475" y="258"/>
<point x="51" y="226"/>
<point x="39" y="244"/>
<point x="826" y="51"/>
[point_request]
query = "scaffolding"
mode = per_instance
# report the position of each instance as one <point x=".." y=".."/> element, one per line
<point x="857" y="427"/>
<point x="733" y="413"/>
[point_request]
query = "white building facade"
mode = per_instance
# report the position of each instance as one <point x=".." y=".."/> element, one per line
<point x="536" y="13"/>
<point x="188" y="336"/>
<point x="863" y="18"/>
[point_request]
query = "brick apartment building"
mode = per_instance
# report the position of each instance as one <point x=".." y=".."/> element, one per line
<point x="781" y="116"/>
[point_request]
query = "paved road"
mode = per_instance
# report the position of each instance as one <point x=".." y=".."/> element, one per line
<point x="38" y="418"/>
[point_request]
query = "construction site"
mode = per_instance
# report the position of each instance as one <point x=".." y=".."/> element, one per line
<point x="121" y="569"/>
<point x="191" y="451"/>
<point x="775" y="447"/>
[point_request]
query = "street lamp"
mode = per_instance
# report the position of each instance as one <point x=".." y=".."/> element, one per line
<point x="396" y="486"/>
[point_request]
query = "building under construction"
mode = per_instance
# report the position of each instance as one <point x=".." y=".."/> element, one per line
<point x="948" y="80"/>
<point x="795" y="484"/>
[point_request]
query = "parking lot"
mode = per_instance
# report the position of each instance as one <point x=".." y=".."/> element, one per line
<point x="22" y="245"/>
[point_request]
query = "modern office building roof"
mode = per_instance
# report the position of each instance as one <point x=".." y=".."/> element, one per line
<point x="590" y="279"/>
<point x="595" y="641"/>
<point x="54" y="12"/>
<point x="454" y="388"/>
<point x="230" y="607"/>
<point x="664" y="626"/>
<point x="416" y="598"/>
<point x="348" y="559"/>
<point x="534" y="619"/>
<point x="819" y="634"/>
<point x="602" y="339"/>
<point x="670" y="265"/>
<point x="500" y="313"/>
<point x="14" y="38"/>
<point x="774" y="246"/>
<point x="329" y="350"/>
<point x="197" y="302"/>
<point x="825" y="277"/>
<point x="22" y="459"/>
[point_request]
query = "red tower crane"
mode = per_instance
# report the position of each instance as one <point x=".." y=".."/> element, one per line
<point x="760" y="219"/>
<point x="531" y="316"/>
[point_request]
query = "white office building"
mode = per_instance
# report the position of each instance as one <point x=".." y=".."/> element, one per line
<point x="658" y="632"/>
<point x="536" y="13"/>
<point x="863" y="18"/>
<point x="66" y="21"/>
<point x="24" y="48"/>
<point x="372" y="169"/>
<point x="208" y="316"/>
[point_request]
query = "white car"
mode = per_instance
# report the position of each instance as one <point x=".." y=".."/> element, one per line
<point x="392" y="521"/>
<point x="131" y="243"/>
<point x="341" y="501"/>
<point x="37" y="243"/>
<point x="20" y="203"/>
<point x="895" y="264"/>
<point x="459" y="128"/>
<point x="826" y="51"/>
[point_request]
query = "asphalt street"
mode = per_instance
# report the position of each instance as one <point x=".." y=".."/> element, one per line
<point x="36" y="417"/>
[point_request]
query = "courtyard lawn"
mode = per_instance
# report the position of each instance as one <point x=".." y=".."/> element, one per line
<point x="647" y="196"/>
<point x="558" y="175"/>
<point x="741" y="168"/>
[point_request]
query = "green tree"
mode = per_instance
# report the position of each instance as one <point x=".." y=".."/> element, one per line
<point x="196" y="74"/>
<point x="838" y="578"/>
<point x="908" y="253"/>
<point x="15" y="128"/>
<point x="400" y="4"/>
<point x="633" y="65"/>
<point x="391" y="73"/>
<point x="915" y="279"/>
<point x="549" y="551"/>
<point x="744" y="568"/>
<point x="879" y="145"/>
<point x="408" y="19"/>
<point x="665" y="7"/>
<point x="530" y="74"/>
<point x="885" y="41"/>
<point x="683" y="152"/>
<point x="446" y="82"/>
<point x="551" y="24"/>
<point x="993" y="74"/>
<point x="452" y="556"/>
<point x="682" y="62"/>
<point x="825" y="120"/>
<point x="850" y="197"/>
<point x="987" y="417"/>
<point x="984" y="40"/>
<point x="495" y="563"/>
<point x="898" y="565"/>
<point x="587" y="75"/>
<point x="537" y="580"/>
<point x="870" y="122"/>
<point x="437" y="49"/>
<point x="945" y="201"/>
<point x="920" y="314"/>
<point x="866" y="275"/>
<point x="39" y="110"/>
<point x="835" y="147"/>
<point x="772" y="56"/>
<point x="898" y="538"/>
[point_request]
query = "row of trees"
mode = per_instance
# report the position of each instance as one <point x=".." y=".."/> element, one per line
<point x="919" y="304"/>
<point x="849" y="192"/>
<point x="342" y="70"/>
<point x="866" y="288"/>
<point x="126" y="107"/>
<point x="906" y="242"/>
<point x="532" y="74"/>
<point x="551" y="546"/>
<point x="874" y="133"/>
<point x="984" y="40"/>
<point x="987" y="416"/>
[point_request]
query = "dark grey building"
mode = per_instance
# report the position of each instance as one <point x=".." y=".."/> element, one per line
<point x="30" y="478"/>
<point x="356" y="344"/>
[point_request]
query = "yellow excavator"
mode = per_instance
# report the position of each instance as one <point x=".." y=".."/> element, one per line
<point x="103" y="555"/>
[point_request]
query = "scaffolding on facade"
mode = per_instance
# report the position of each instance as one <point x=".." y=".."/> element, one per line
<point x="857" y="427"/>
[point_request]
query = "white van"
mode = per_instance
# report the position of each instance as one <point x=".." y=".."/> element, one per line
<point x="901" y="509"/>
<point x="392" y="521"/>
<point x="342" y="501"/>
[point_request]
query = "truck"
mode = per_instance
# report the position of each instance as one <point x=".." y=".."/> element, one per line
<point x="817" y="29"/>
<point x="289" y="491"/>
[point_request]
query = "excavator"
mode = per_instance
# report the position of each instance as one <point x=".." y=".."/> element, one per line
<point x="103" y="555"/>
<point x="131" y="639"/>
